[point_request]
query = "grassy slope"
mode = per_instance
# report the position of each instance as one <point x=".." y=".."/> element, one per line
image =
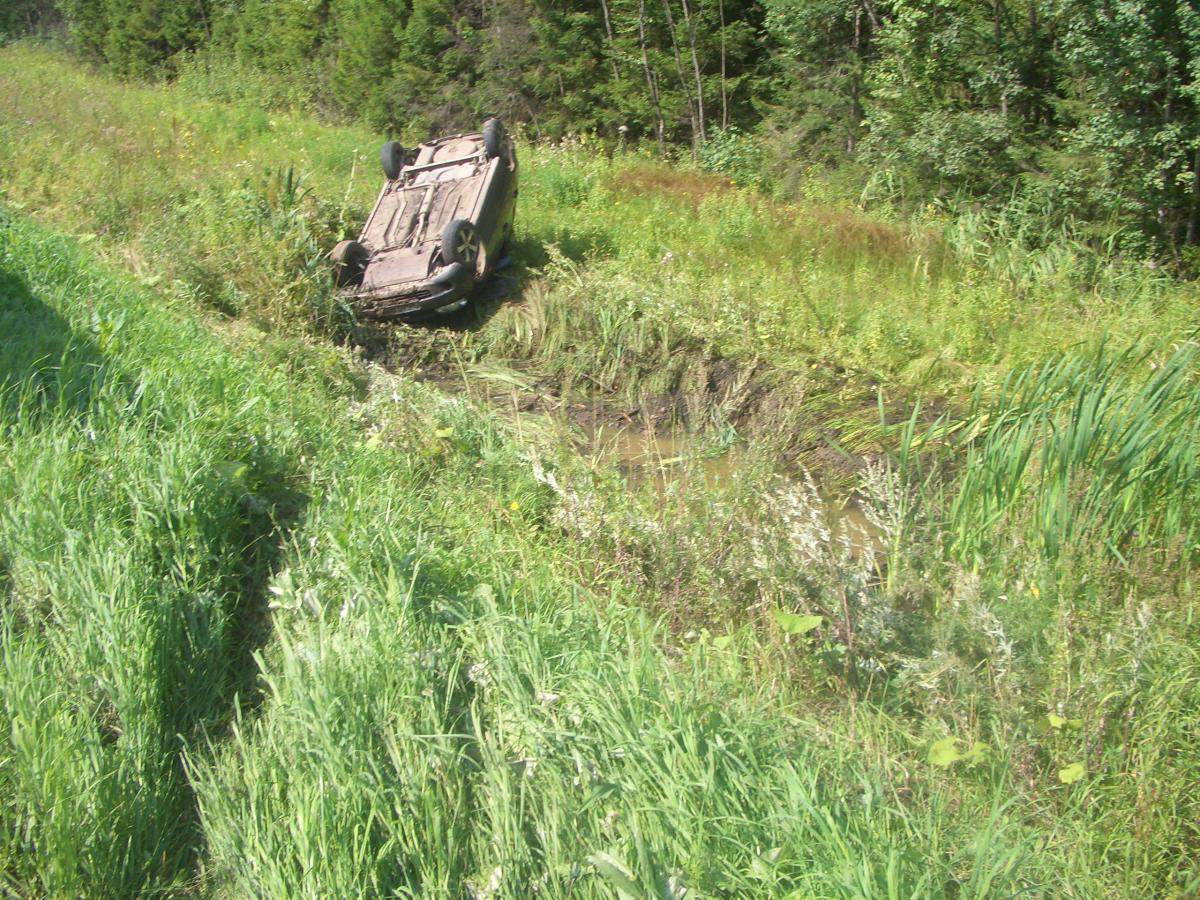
<point x="442" y="701"/>
<point x="458" y="686"/>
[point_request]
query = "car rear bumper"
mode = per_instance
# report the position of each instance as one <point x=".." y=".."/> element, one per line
<point x="452" y="284"/>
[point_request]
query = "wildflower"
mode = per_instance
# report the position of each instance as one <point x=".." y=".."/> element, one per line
<point x="489" y="889"/>
<point x="514" y="506"/>
<point x="478" y="673"/>
<point x="309" y="598"/>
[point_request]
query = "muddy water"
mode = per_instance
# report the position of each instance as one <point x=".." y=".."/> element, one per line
<point x="667" y="458"/>
<point x="658" y="457"/>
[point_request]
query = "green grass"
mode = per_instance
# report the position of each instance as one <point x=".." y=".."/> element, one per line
<point x="438" y="701"/>
<point x="1112" y="452"/>
<point x="279" y="622"/>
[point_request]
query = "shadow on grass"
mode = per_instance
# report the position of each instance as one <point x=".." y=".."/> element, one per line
<point x="45" y="365"/>
<point x="578" y="245"/>
<point x="241" y="500"/>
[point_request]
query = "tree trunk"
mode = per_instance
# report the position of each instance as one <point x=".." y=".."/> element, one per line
<point x="651" y="81"/>
<point x="855" y="101"/>
<point x="1173" y="205"/>
<point x="872" y="14"/>
<point x="1194" y="214"/>
<point x="612" y="44"/>
<point x="998" y="39"/>
<point x="690" y="25"/>
<point x="203" y="19"/>
<point x="724" y="92"/>
<point x="683" y="84"/>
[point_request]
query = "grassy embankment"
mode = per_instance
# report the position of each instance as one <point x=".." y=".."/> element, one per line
<point x="442" y="702"/>
<point x="458" y="684"/>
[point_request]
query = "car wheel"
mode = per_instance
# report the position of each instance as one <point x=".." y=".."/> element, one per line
<point x="391" y="157"/>
<point x="460" y="244"/>
<point x="349" y="261"/>
<point x="493" y="138"/>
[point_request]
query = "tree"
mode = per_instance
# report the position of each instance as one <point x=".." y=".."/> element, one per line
<point x="365" y="42"/>
<point x="1130" y="92"/>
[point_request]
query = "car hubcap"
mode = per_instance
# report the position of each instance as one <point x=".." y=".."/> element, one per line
<point x="466" y="245"/>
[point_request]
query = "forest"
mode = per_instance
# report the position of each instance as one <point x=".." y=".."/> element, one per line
<point x="1057" y="116"/>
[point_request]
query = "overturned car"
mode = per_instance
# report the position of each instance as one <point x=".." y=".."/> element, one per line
<point x="441" y="224"/>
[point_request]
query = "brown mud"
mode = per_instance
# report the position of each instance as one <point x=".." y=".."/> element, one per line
<point x="822" y="422"/>
<point x="666" y="440"/>
<point x="794" y="414"/>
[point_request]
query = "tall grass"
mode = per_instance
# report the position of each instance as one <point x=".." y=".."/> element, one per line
<point x="627" y="270"/>
<point x="455" y="691"/>
<point x="440" y="707"/>
<point x="1101" y="446"/>
<point x="141" y="511"/>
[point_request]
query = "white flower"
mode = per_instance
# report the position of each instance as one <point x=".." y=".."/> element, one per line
<point x="489" y="889"/>
<point x="309" y="598"/>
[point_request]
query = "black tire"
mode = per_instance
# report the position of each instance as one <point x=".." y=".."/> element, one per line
<point x="493" y="138"/>
<point x="391" y="157"/>
<point x="349" y="261"/>
<point x="460" y="244"/>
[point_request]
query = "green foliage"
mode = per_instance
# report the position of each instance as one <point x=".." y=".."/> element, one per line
<point x="20" y="18"/>
<point x="1083" y="111"/>
<point x="432" y="715"/>
<point x="1072" y="773"/>
<point x="1132" y="100"/>
<point x="790" y="623"/>
<point x="818" y="77"/>
<point x="945" y="753"/>
<point x="735" y="154"/>
<point x="1098" y="448"/>
<point x="369" y="41"/>
<point x="281" y="621"/>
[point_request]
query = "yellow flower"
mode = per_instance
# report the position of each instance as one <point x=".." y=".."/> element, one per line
<point x="514" y="506"/>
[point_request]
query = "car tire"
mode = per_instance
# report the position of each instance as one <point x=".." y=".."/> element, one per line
<point x="391" y="157"/>
<point x="460" y="244"/>
<point x="349" y="261"/>
<point x="493" y="138"/>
